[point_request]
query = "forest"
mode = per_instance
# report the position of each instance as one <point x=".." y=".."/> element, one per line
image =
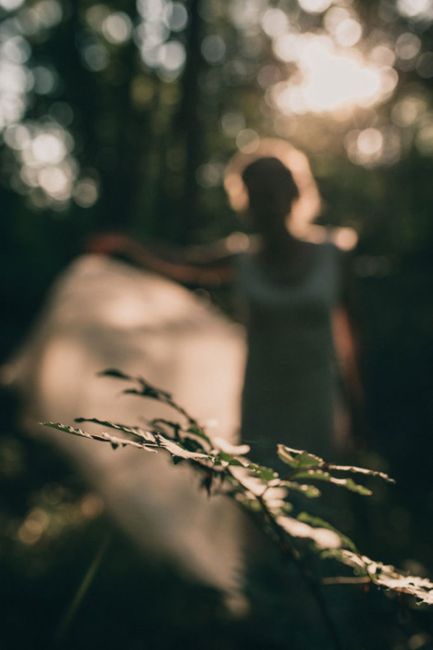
<point x="120" y="117"/>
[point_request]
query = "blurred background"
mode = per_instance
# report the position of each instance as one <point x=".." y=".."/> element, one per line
<point x="121" y="116"/>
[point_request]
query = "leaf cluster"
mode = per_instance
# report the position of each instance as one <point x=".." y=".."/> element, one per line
<point x="271" y="497"/>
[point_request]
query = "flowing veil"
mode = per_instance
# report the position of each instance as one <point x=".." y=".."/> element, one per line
<point x="103" y="313"/>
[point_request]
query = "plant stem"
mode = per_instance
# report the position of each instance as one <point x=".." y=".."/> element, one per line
<point x="82" y="590"/>
<point x="288" y="549"/>
<point x="347" y="580"/>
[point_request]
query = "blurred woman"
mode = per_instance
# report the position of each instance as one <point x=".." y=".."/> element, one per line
<point x="291" y="283"/>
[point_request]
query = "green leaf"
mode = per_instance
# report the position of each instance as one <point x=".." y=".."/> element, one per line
<point x="146" y="388"/>
<point x="115" y="374"/>
<point x="322" y="537"/>
<point x="266" y="474"/>
<point x="177" y="450"/>
<point x="326" y="477"/>
<point x="387" y="576"/>
<point x="228" y="448"/>
<point x="223" y="457"/>
<point x="349" y="484"/>
<point x="313" y="475"/>
<point x="135" y="431"/>
<point x="199" y="431"/>
<point x="310" y="491"/>
<point x="297" y="458"/>
<point x="322" y="523"/>
<point x="361" y="470"/>
<point x="101" y="436"/>
<point x="257" y="487"/>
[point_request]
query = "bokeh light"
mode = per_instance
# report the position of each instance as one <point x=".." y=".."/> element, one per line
<point x="334" y="68"/>
<point x="245" y="14"/>
<point x="171" y="56"/>
<point x="408" y="110"/>
<point x="42" y="15"/>
<point x="274" y="22"/>
<point x="343" y="26"/>
<point x="417" y="9"/>
<point x="407" y="46"/>
<point x="158" y="18"/>
<point x="44" y="79"/>
<point x="247" y="141"/>
<point x="213" y="48"/>
<point x="210" y="174"/>
<point x="10" y="5"/>
<point x="232" y="123"/>
<point x="315" y="6"/>
<point x="425" y="65"/>
<point x="372" y="146"/>
<point x="328" y="79"/>
<point x="424" y="138"/>
<point x="86" y="192"/>
<point x="47" y="170"/>
<point x="117" y="28"/>
<point x="15" y="81"/>
<point x="175" y="16"/>
<point x="95" y="55"/>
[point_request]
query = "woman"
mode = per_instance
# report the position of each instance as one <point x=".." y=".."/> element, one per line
<point x="290" y="282"/>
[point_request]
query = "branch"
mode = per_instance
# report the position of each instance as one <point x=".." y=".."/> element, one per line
<point x="263" y="492"/>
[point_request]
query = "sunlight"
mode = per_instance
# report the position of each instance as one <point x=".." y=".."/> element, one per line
<point x="343" y="26"/>
<point x="10" y="5"/>
<point x="373" y="146"/>
<point x="14" y="83"/>
<point x="408" y="110"/>
<point x="307" y="206"/>
<point x="314" y="6"/>
<point x="48" y="147"/>
<point x="422" y="9"/>
<point x="86" y="192"/>
<point x="328" y="79"/>
<point x="117" y="27"/>
<point x="46" y="163"/>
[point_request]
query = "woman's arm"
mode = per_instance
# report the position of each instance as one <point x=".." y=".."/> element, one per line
<point x="347" y="352"/>
<point x="195" y="268"/>
<point x="346" y="341"/>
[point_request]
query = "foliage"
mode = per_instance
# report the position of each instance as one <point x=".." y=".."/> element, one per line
<point x="122" y="113"/>
<point x="269" y="496"/>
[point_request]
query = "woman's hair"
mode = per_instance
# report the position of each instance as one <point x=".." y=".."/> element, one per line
<point x="271" y="192"/>
<point x="306" y="202"/>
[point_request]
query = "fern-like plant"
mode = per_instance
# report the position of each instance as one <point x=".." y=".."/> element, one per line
<point x="266" y="494"/>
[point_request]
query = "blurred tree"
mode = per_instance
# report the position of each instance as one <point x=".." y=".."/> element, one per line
<point x="126" y="110"/>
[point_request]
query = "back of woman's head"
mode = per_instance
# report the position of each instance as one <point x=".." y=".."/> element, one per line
<point x="271" y="193"/>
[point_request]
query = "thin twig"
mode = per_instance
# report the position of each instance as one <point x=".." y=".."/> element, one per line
<point x="347" y="580"/>
<point x="81" y="592"/>
<point x="287" y="548"/>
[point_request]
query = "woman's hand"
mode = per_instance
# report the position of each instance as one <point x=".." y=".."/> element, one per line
<point x="108" y="243"/>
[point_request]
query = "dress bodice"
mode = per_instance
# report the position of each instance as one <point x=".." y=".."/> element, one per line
<point x="290" y="372"/>
<point x="291" y="319"/>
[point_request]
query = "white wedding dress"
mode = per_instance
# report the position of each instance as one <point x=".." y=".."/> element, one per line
<point x="103" y="313"/>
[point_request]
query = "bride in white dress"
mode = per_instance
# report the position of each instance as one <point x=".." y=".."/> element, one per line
<point x="104" y="313"/>
<point x="292" y="288"/>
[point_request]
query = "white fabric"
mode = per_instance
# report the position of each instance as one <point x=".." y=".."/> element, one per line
<point x="102" y="313"/>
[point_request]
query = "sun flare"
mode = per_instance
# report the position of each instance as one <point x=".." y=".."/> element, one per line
<point x="328" y="79"/>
